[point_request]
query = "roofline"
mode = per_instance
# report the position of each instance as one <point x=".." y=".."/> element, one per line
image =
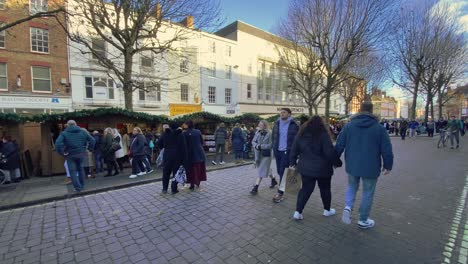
<point x="250" y="29"/>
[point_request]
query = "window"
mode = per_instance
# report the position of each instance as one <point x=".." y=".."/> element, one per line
<point x="212" y="69"/>
<point x="99" y="47"/>
<point x="2" y="4"/>
<point x="37" y="6"/>
<point x="228" y="72"/>
<point x="99" y="88"/>
<point x="184" y="92"/>
<point x="149" y="91"/>
<point x="213" y="47"/>
<point x="40" y="40"/>
<point x="2" y="36"/>
<point x="211" y="94"/>
<point x="227" y="95"/>
<point x="3" y="77"/>
<point x="41" y="79"/>
<point x="146" y="61"/>
<point x="184" y="67"/>
<point x="228" y="51"/>
<point x="249" y="91"/>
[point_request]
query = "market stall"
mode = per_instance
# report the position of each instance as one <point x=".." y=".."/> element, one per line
<point x="97" y="119"/>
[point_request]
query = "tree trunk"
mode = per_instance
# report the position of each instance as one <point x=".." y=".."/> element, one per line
<point x="316" y="109"/>
<point x="311" y="107"/>
<point x="439" y="98"/>
<point x="128" y="85"/>
<point x="346" y="108"/>
<point x="327" y="106"/>
<point x="415" y="100"/>
<point x="432" y="108"/>
<point x="428" y="103"/>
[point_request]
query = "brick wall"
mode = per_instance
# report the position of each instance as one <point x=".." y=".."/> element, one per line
<point x="19" y="57"/>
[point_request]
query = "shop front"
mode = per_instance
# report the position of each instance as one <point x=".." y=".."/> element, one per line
<point x="33" y="105"/>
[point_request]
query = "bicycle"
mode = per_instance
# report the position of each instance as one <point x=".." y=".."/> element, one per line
<point x="444" y="138"/>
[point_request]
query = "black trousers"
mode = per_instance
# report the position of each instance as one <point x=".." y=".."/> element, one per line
<point x="430" y="132"/>
<point x="111" y="164"/>
<point x="170" y="166"/>
<point x="308" y="186"/>
<point x="403" y="133"/>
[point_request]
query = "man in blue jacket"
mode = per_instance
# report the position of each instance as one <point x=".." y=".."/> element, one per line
<point x="72" y="144"/>
<point x="283" y="135"/>
<point x="366" y="144"/>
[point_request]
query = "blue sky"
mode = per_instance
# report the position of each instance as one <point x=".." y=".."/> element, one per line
<point x="263" y="14"/>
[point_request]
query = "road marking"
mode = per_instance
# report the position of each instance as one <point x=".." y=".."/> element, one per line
<point x="451" y="243"/>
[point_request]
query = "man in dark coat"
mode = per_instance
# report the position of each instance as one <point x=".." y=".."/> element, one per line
<point x="284" y="133"/>
<point x="220" y="137"/>
<point x="72" y="144"/>
<point x="10" y="160"/>
<point x="366" y="144"/>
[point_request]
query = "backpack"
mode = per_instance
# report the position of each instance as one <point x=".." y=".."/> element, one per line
<point x="116" y="144"/>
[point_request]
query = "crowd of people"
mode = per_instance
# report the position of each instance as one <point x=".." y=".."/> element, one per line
<point x="10" y="163"/>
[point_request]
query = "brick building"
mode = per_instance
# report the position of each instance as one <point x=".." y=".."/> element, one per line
<point x="34" y="76"/>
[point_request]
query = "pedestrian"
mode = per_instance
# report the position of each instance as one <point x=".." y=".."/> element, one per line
<point x="138" y="150"/>
<point x="98" y="159"/>
<point x="413" y="125"/>
<point x="237" y="139"/>
<point x="175" y="154"/>
<point x="72" y="144"/>
<point x="317" y="156"/>
<point x="220" y="137"/>
<point x="195" y="164"/>
<point x="261" y="143"/>
<point x="430" y="128"/>
<point x="252" y="133"/>
<point x="119" y="154"/>
<point x="108" y="152"/>
<point x="89" y="159"/>
<point x="125" y="144"/>
<point x="284" y="132"/>
<point x="364" y="133"/>
<point x="454" y="126"/>
<point x="10" y="155"/>
<point x="403" y="128"/>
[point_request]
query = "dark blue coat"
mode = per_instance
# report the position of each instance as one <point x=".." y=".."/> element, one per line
<point x="366" y="144"/>
<point x="10" y="152"/>
<point x="292" y="132"/>
<point x="175" y="147"/>
<point x="138" y="145"/>
<point x="195" y="151"/>
<point x="237" y="139"/>
<point x="316" y="156"/>
<point x="74" y="140"/>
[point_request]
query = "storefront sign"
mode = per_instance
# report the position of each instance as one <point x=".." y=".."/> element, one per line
<point x="230" y="110"/>
<point x="180" y="109"/>
<point x="34" y="102"/>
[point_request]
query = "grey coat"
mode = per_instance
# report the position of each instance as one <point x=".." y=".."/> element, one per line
<point x="263" y="140"/>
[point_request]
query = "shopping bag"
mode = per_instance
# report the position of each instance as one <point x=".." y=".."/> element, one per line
<point x="291" y="182"/>
<point x="159" y="160"/>
<point x="181" y="176"/>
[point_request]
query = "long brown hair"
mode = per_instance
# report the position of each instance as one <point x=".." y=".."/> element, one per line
<point x="316" y="126"/>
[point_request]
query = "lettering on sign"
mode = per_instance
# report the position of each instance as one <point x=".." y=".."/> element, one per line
<point x="180" y="109"/>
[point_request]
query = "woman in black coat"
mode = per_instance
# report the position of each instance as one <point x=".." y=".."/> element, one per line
<point x="175" y="154"/>
<point x="108" y="153"/>
<point x="11" y="156"/>
<point x="314" y="149"/>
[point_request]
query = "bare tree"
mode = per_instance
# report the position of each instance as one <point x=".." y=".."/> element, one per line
<point x="352" y="88"/>
<point x="52" y="8"/>
<point x="113" y="32"/>
<point x="336" y="31"/>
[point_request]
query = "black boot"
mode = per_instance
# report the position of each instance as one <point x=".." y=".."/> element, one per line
<point x="254" y="190"/>
<point x="174" y="187"/>
<point x="273" y="183"/>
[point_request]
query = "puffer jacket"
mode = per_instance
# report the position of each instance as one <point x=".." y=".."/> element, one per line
<point x="73" y="140"/>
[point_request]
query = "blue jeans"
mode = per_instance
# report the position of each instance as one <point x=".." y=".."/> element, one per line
<point x="98" y="162"/>
<point x="368" y="185"/>
<point x="75" y="165"/>
<point x="282" y="162"/>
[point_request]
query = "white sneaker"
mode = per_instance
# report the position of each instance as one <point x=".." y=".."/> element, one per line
<point x="133" y="176"/>
<point x="141" y="173"/>
<point x="214" y="162"/>
<point x="329" y="213"/>
<point x="222" y="163"/>
<point x="346" y="218"/>
<point x="151" y="171"/>
<point x="369" y="223"/>
<point x="297" y="216"/>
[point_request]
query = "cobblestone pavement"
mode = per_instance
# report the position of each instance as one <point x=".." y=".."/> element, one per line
<point x="420" y="213"/>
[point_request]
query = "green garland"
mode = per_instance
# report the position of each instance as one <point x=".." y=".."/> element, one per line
<point x="99" y="112"/>
<point x="11" y="118"/>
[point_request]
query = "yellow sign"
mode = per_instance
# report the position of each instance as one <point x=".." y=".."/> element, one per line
<point x="180" y="109"/>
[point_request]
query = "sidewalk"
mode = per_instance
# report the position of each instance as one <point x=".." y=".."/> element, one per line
<point x="38" y="190"/>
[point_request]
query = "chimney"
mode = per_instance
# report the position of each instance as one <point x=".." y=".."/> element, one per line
<point x="188" y="21"/>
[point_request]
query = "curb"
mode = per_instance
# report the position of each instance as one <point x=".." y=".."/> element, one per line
<point x="105" y="189"/>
